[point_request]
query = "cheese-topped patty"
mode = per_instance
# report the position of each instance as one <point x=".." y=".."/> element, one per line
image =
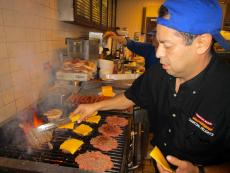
<point x="93" y="119"/>
<point x="83" y="130"/>
<point x="71" y="145"/>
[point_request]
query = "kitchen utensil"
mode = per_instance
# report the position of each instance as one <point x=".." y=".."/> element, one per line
<point x="57" y="123"/>
<point x="53" y="125"/>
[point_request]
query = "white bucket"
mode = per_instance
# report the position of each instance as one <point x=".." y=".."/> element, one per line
<point x="105" y="64"/>
<point x="106" y="67"/>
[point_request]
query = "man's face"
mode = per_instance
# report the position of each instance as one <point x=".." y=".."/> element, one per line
<point x="176" y="57"/>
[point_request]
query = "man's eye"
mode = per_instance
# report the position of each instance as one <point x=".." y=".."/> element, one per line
<point x="167" y="46"/>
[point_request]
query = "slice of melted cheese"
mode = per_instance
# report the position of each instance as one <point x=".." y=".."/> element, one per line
<point x="93" y="119"/>
<point x="107" y="91"/>
<point x="76" y="117"/>
<point x="67" y="126"/>
<point x="71" y="145"/>
<point x="160" y="159"/>
<point x="83" y="130"/>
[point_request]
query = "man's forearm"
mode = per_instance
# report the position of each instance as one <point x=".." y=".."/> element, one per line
<point x="223" y="168"/>
<point x="118" y="102"/>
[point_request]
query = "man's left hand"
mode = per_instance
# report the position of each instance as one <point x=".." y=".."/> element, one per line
<point x="182" y="165"/>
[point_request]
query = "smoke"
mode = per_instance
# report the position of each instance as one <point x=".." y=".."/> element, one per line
<point x="12" y="131"/>
<point x="55" y="98"/>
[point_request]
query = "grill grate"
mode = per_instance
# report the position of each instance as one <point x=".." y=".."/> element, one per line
<point x="17" y="150"/>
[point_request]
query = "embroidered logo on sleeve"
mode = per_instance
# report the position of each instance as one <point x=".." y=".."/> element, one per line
<point x="202" y="124"/>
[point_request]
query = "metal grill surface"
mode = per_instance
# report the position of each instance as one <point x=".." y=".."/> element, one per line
<point x="16" y="149"/>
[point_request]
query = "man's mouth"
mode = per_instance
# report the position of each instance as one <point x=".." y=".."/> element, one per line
<point x="164" y="66"/>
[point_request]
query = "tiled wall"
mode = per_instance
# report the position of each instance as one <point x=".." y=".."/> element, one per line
<point x="30" y="36"/>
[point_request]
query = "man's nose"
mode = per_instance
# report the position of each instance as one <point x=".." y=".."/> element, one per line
<point x="160" y="51"/>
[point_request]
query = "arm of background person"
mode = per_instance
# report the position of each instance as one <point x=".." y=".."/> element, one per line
<point x="142" y="49"/>
<point x="118" y="102"/>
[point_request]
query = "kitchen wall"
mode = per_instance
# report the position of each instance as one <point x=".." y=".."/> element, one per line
<point x="31" y="39"/>
<point x="129" y="13"/>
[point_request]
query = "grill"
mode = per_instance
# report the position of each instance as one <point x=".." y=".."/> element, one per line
<point x="15" y="156"/>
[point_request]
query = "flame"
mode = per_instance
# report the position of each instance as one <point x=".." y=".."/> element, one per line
<point x="26" y="125"/>
<point x="36" y="121"/>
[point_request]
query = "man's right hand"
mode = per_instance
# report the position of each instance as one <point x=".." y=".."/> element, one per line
<point x="85" y="110"/>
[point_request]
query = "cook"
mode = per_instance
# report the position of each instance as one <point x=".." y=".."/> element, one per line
<point x="190" y="89"/>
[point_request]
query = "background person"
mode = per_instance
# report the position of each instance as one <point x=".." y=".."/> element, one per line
<point x="147" y="50"/>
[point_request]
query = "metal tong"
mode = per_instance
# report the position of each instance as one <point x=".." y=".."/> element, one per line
<point x="59" y="122"/>
<point x="54" y="124"/>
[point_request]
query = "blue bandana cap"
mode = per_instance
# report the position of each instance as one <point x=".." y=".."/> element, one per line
<point x="195" y="17"/>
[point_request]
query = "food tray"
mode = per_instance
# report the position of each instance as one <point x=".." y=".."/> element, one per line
<point x="61" y="75"/>
<point x="121" y="76"/>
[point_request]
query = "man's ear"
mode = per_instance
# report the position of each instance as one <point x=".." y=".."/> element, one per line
<point x="203" y="43"/>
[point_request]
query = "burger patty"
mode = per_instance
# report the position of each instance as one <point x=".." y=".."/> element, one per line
<point x="94" y="161"/>
<point x="110" y="130"/>
<point x="37" y="139"/>
<point x="117" y="121"/>
<point x="104" y="143"/>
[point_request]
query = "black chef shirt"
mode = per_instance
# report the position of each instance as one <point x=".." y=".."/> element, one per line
<point x="194" y="123"/>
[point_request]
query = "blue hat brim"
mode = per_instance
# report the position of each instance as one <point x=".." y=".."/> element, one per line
<point x="222" y="42"/>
